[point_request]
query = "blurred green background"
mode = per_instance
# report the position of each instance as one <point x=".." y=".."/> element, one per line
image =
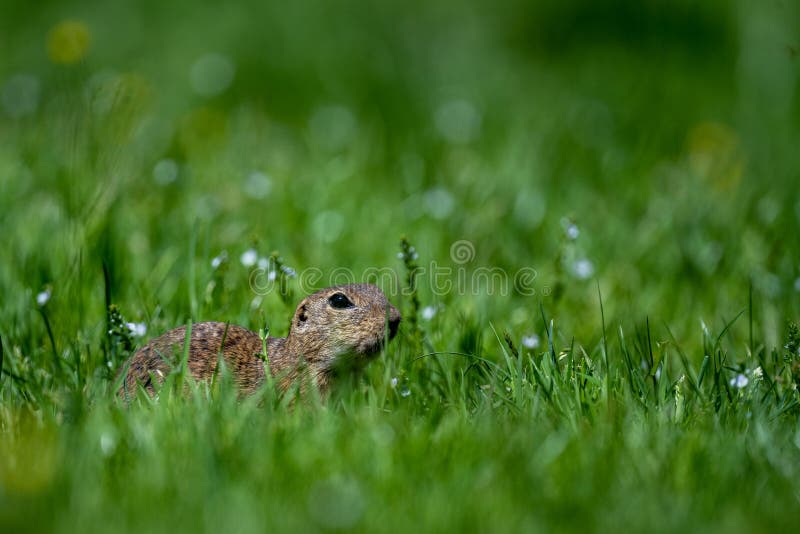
<point x="645" y="149"/>
<point x="664" y="130"/>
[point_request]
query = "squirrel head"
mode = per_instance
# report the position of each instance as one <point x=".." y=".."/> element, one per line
<point x="343" y="325"/>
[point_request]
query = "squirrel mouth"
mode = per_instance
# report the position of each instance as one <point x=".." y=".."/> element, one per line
<point x="373" y="349"/>
<point x="353" y="360"/>
<point x="367" y="350"/>
<point x="378" y="344"/>
<point x="381" y="342"/>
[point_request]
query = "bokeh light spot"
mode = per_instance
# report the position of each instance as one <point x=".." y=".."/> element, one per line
<point x="20" y="95"/>
<point x="257" y="185"/>
<point x="458" y="121"/>
<point x="328" y="226"/>
<point x="332" y="127"/>
<point x="715" y="156"/>
<point x="212" y="74"/>
<point x="529" y="208"/>
<point x="439" y="203"/>
<point x="68" y="42"/>
<point x="165" y="172"/>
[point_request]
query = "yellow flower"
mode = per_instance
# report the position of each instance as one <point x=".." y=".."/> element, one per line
<point x="68" y="42"/>
<point x="715" y="155"/>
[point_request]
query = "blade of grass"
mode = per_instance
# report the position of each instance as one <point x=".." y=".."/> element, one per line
<point x="605" y="345"/>
<point x="191" y="274"/>
<point x="653" y="366"/>
<point x="185" y="357"/>
<point x="549" y="331"/>
<point x="684" y="361"/>
<point x="56" y="360"/>
<point x="750" y="314"/>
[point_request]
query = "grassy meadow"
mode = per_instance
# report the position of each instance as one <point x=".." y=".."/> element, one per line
<point x="600" y="306"/>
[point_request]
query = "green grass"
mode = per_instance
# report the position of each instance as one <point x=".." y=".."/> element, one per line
<point x="662" y="393"/>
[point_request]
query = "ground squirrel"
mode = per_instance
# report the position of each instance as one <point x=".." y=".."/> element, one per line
<point x="334" y="329"/>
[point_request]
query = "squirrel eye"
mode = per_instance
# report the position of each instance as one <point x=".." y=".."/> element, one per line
<point x="340" y="301"/>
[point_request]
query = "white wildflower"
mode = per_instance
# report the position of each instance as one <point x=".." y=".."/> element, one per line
<point x="218" y="260"/>
<point x="263" y="263"/>
<point x="571" y="229"/>
<point x="137" y="329"/>
<point x="43" y="297"/>
<point x="428" y="312"/>
<point x="572" y="232"/>
<point x="583" y="268"/>
<point x="393" y="382"/>
<point x="249" y="257"/>
<point x="739" y="381"/>
<point x="531" y="341"/>
<point x="108" y="443"/>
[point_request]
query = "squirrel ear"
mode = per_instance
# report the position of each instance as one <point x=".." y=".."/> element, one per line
<point x="301" y="316"/>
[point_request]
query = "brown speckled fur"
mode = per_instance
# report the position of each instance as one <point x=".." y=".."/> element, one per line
<point x="322" y="341"/>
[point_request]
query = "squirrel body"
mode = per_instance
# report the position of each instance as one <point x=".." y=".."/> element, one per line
<point x="334" y="329"/>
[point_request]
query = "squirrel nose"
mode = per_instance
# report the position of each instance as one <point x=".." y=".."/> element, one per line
<point x="394" y="321"/>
